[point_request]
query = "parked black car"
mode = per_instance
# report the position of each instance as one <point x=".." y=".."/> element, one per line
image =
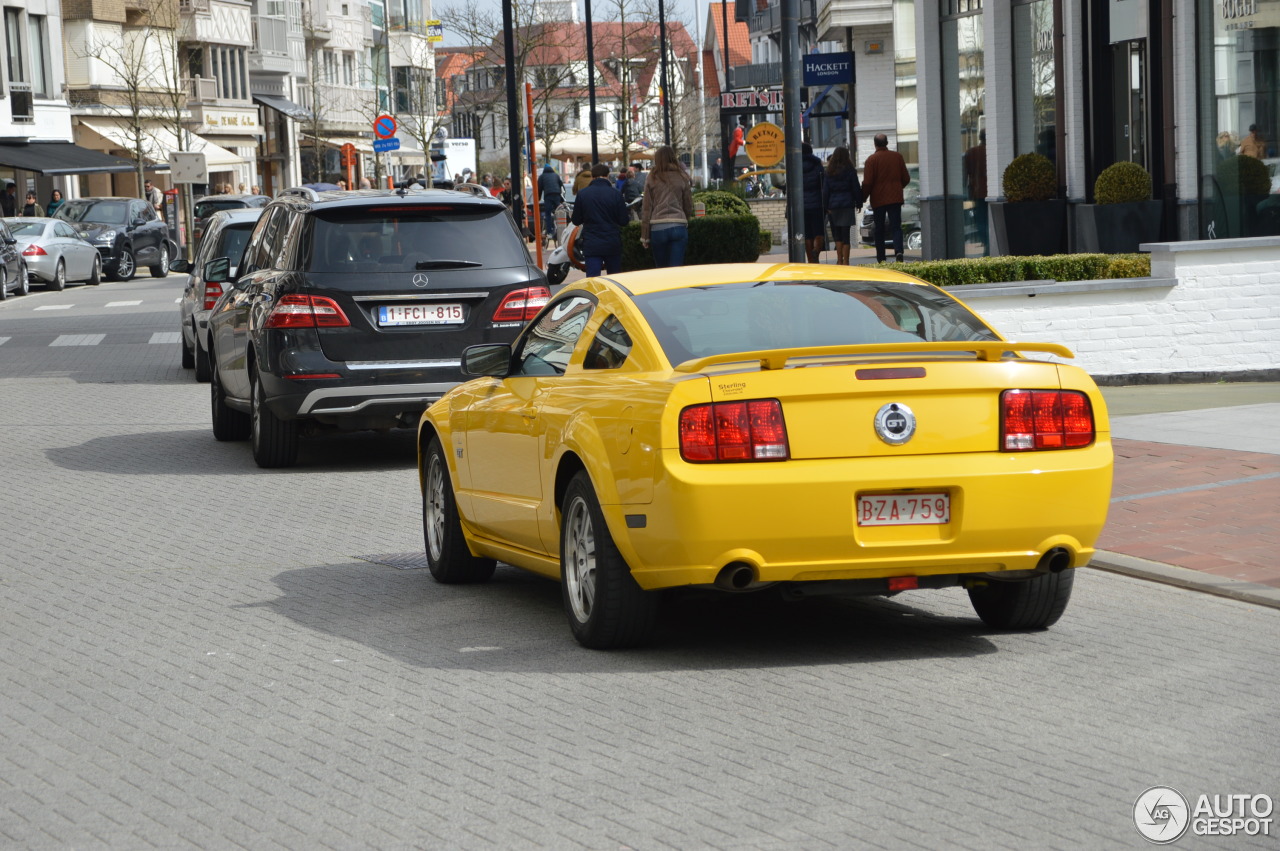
<point x="13" y="269"/>
<point x="126" y="231"/>
<point x="352" y="309"/>
<point x="205" y="208"/>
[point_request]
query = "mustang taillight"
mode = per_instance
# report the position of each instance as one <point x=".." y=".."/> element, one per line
<point x="212" y="292"/>
<point x="306" y="311"/>
<point x="33" y="251"/>
<point x="1045" y="419"/>
<point x="522" y="305"/>
<point x="734" y="431"/>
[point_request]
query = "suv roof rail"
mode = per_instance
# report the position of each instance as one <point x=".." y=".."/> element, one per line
<point x="301" y="191"/>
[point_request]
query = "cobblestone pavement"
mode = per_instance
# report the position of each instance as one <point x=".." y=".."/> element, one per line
<point x="197" y="653"/>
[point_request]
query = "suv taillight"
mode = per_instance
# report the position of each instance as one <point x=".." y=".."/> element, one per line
<point x="1045" y="419"/>
<point x="212" y="292"/>
<point x="734" y="431"/>
<point x="306" y="311"/>
<point x="522" y="305"/>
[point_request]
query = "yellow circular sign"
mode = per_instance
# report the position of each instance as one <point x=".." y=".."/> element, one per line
<point x="765" y="144"/>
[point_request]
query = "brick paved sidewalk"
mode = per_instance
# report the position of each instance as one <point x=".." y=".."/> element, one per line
<point x="1210" y="510"/>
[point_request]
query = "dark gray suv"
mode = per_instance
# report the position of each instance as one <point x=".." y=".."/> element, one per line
<point x="351" y="311"/>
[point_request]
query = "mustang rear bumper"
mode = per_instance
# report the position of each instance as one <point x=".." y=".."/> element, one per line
<point x="796" y="520"/>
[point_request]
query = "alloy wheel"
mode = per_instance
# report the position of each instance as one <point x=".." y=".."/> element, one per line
<point x="435" y="507"/>
<point x="124" y="269"/>
<point x="580" y="559"/>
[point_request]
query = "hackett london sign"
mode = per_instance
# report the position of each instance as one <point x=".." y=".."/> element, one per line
<point x="767" y="99"/>
<point x="826" y="69"/>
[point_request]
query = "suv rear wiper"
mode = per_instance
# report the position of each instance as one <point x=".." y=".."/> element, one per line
<point x="445" y="264"/>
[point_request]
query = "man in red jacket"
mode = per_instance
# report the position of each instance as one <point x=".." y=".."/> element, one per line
<point x="884" y="175"/>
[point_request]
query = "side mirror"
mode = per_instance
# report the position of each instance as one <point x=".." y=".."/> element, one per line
<point x="217" y="271"/>
<point x="492" y="359"/>
<point x="139" y="222"/>
<point x="179" y="265"/>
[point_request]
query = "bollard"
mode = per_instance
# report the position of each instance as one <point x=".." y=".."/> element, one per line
<point x="699" y="210"/>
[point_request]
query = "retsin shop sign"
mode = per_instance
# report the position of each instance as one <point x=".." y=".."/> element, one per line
<point x="766" y="100"/>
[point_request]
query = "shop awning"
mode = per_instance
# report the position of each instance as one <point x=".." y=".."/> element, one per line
<point x="364" y="146"/>
<point x="61" y="158"/>
<point x="161" y="141"/>
<point x="288" y="107"/>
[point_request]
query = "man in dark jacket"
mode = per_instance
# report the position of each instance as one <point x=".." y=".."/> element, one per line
<point x="601" y="212"/>
<point x="884" y="175"/>
<point x="551" y="188"/>
<point x="815" y="234"/>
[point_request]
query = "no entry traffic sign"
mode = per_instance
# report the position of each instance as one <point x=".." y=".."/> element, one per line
<point x="384" y="127"/>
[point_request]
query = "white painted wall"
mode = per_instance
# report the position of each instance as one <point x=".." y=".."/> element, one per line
<point x="1210" y="306"/>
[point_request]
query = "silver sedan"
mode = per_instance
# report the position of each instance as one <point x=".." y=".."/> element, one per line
<point x="55" y="252"/>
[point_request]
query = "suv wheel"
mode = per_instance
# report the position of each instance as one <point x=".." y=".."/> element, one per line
<point x="161" y="270"/>
<point x="125" y="266"/>
<point x="275" y="441"/>
<point x="228" y="423"/>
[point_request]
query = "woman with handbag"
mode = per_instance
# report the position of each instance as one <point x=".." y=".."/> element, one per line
<point x="842" y="199"/>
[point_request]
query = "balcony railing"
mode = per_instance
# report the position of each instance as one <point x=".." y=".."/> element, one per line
<point x="191" y="6"/>
<point x="201" y="89"/>
<point x="769" y="19"/>
<point x="22" y="107"/>
<point x="760" y="75"/>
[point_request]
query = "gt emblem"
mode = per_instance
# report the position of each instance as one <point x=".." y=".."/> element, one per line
<point x="419" y="280"/>
<point x="895" y="423"/>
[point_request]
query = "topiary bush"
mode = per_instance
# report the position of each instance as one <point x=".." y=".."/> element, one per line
<point x="1030" y="177"/>
<point x="723" y="203"/>
<point x="1122" y="183"/>
<point x="712" y="239"/>
<point x="1244" y="175"/>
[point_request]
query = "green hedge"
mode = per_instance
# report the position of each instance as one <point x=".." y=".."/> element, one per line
<point x="722" y="203"/>
<point x="1061" y="267"/>
<point x="712" y="239"/>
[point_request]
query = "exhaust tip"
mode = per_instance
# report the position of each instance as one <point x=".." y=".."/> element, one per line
<point x="1056" y="560"/>
<point x="736" y="577"/>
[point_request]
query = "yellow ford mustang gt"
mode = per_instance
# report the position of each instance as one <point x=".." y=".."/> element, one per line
<point x="825" y="429"/>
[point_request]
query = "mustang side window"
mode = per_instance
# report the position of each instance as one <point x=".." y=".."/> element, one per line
<point x="610" y="347"/>
<point x="547" y="346"/>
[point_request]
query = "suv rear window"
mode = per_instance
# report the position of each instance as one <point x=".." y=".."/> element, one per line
<point x="410" y="239"/>
<point x="204" y="209"/>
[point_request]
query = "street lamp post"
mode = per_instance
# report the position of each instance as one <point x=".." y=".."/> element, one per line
<point x="791" y="129"/>
<point x="591" y="86"/>
<point x="513" y="112"/>
<point x="663" y="82"/>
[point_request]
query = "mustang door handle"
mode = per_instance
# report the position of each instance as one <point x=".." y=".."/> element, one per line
<point x="529" y="413"/>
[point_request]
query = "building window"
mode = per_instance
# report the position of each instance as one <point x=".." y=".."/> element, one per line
<point x="348" y="70"/>
<point x="39" y="47"/>
<point x="13" y="45"/>
<point x="964" y="120"/>
<point x="1035" y="79"/>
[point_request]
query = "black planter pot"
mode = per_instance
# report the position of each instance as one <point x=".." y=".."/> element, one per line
<point x="1030" y="227"/>
<point x="1117" y="228"/>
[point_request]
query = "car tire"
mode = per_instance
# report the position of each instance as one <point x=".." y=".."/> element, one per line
<point x="557" y="272"/>
<point x="448" y="557"/>
<point x="606" y="608"/>
<point x="126" y="266"/>
<point x="59" y="282"/>
<point x="4" y="285"/>
<point x="188" y="356"/>
<point x="95" y="277"/>
<point x="228" y="423"/>
<point x="275" y="441"/>
<point x="1034" y="603"/>
<point x="24" y="280"/>
<point x="161" y="270"/>
<point x="201" y="362"/>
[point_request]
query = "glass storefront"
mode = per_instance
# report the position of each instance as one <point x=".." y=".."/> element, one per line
<point x="1035" y="79"/>
<point x="964" y="117"/>
<point x="1239" y="58"/>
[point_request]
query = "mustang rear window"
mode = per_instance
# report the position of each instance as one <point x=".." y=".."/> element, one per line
<point x="365" y="240"/>
<point x="700" y="321"/>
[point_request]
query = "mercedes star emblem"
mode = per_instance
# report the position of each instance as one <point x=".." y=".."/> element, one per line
<point x="419" y="280"/>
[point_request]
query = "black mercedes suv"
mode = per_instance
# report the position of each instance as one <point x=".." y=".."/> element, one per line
<point x="351" y="310"/>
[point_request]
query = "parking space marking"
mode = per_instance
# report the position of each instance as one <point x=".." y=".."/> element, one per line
<point x="78" y="339"/>
<point x="123" y="303"/>
<point x="55" y="307"/>
<point x="165" y="337"/>
<point x="4" y="340"/>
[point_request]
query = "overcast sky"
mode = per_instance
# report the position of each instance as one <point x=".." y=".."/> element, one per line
<point x="682" y="10"/>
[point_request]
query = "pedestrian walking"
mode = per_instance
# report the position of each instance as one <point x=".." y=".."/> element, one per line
<point x="9" y="200"/>
<point x="55" y="201"/>
<point x="812" y="179"/>
<point x="666" y="209"/>
<point x="842" y="199"/>
<point x="582" y="180"/>
<point x="884" y="176"/>
<point x="631" y="189"/>
<point x="32" y="207"/>
<point x="602" y="214"/>
<point x="551" y="188"/>
<point x="153" y="195"/>
<point x="975" y="179"/>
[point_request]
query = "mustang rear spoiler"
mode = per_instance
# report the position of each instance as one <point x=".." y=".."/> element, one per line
<point x="989" y="350"/>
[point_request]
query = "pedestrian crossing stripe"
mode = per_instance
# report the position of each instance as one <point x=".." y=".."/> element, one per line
<point x="4" y="340"/>
<point x="123" y="303"/>
<point x="55" y="307"/>
<point x="78" y="339"/>
<point x="165" y="337"/>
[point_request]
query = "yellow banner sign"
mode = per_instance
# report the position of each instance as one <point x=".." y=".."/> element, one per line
<point x="766" y="146"/>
